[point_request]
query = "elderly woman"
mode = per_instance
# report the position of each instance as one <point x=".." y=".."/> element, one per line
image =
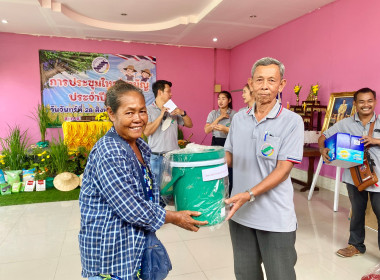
<point x="114" y="211"/>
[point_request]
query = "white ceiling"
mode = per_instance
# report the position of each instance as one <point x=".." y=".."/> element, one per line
<point x="174" y="22"/>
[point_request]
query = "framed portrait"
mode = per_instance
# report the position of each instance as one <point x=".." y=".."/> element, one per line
<point x="341" y="105"/>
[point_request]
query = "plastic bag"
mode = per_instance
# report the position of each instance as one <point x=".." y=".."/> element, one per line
<point x="374" y="273"/>
<point x="196" y="179"/>
<point x="13" y="176"/>
<point x="5" y="189"/>
<point x="16" y="187"/>
<point x="2" y="177"/>
<point x="28" y="174"/>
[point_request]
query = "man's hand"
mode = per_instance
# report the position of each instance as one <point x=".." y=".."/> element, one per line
<point x="324" y="153"/>
<point x="163" y="111"/>
<point x="368" y="140"/>
<point x="177" y="111"/>
<point x="237" y="201"/>
<point x="184" y="219"/>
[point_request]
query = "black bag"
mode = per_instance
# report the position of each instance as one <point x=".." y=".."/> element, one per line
<point x="155" y="262"/>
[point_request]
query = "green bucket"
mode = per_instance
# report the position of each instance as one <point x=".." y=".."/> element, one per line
<point x="196" y="189"/>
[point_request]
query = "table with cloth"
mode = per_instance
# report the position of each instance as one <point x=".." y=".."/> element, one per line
<point x="84" y="134"/>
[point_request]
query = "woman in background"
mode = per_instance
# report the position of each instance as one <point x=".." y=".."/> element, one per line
<point x="248" y="98"/>
<point x="219" y="121"/>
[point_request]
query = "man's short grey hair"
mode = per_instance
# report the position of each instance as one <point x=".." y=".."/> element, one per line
<point x="265" y="61"/>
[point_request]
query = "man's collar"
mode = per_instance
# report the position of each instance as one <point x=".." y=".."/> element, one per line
<point x="356" y="117"/>
<point x="274" y="113"/>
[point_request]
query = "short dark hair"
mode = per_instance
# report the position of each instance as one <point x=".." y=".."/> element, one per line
<point x="160" y="85"/>
<point x="115" y="92"/>
<point x="364" y="90"/>
<point x="228" y="95"/>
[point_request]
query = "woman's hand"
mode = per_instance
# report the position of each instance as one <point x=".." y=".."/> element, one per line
<point x="224" y="116"/>
<point x="220" y="127"/>
<point x="184" y="219"/>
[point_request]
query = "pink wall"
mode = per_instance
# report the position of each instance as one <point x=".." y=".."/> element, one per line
<point x="190" y="69"/>
<point x="222" y="77"/>
<point x="336" y="46"/>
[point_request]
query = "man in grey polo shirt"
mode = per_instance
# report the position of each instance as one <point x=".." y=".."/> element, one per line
<point x="262" y="146"/>
<point x="162" y="127"/>
<point x="358" y="125"/>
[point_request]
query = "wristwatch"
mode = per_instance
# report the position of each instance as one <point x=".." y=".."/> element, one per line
<point x="184" y="114"/>
<point x="251" y="194"/>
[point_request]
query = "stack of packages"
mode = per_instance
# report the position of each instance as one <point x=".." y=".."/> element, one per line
<point x="11" y="182"/>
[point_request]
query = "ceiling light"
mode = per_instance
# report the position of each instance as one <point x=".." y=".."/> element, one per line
<point x="4" y="21"/>
<point x="215" y="39"/>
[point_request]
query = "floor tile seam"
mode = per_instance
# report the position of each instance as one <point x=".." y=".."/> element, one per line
<point x="193" y="257"/>
<point x="210" y="270"/>
<point x="38" y="233"/>
<point x="199" y="265"/>
<point x="30" y="260"/>
<point x="189" y="273"/>
<point x="204" y="237"/>
<point x="10" y="230"/>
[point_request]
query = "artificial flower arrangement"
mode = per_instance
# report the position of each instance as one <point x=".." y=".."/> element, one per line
<point x="102" y="117"/>
<point x="297" y="89"/>
<point x="314" y="89"/>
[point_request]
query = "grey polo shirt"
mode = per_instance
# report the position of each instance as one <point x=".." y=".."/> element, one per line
<point x="163" y="141"/>
<point x="213" y="115"/>
<point x="354" y="126"/>
<point x="246" y="108"/>
<point x="256" y="147"/>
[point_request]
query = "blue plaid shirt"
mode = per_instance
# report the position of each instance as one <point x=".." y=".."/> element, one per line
<point x="114" y="212"/>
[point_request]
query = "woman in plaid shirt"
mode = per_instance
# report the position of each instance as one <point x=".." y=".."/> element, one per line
<point x="114" y="212"/>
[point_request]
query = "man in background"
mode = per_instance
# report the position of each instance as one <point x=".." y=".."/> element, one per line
<point x="358" y="124"/>
<point x="162" y="127"/>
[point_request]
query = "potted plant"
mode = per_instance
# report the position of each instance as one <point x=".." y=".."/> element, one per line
<point x="41" y="115"/>
<point x="41" y="161"/>
<point x="14" y="149"/>
<point x="60" y="157"/>
<point x="78" y="160"/>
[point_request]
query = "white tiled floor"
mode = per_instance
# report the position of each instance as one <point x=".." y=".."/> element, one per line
<point x="39" y="242"/>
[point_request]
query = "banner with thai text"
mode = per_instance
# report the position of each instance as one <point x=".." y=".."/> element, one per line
<point x="74" y="84"/>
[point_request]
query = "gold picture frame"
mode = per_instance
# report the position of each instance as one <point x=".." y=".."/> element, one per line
<point x="336" y="111"/>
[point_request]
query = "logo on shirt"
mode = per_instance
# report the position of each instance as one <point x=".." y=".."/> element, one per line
<point x="267" y="149"/>
<point x="363" y="168"/>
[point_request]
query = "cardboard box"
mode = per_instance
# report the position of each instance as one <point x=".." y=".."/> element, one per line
<point x="345" y="150"/>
